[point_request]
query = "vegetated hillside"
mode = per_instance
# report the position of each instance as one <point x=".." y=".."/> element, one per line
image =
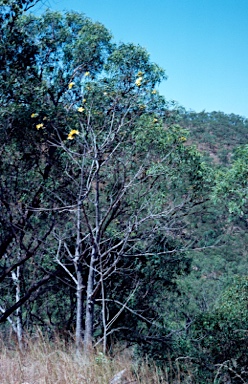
<point x="218" y="253"/>
<point x="215" y="133"/>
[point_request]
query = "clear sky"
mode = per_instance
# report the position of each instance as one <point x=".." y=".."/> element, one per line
<point x="202" y="45"/>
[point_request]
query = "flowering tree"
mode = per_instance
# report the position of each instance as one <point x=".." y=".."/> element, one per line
<point x="121" y="165"/>
<point x="108" y="172"/>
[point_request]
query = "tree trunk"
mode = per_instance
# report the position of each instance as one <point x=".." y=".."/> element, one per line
<point x="90" y="300"/>
<point x="89" y="315"/>
<point x="79" y="313"/>
<point x="16" y="276"/>
<point x="104" y="324"/>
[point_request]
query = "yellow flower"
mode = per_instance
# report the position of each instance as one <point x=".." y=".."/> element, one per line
<point x="38" y="126"/>
<point x="155" y="120"/>
<point x="72" y="134"/>
<point x="86" y="74"/>
<point x="84" y="100"/>
<point x="34" y="115"/>
<point x="139" y="74"/>
<point x="138" y="81"/>
<point x="80" y="109"/>
<point x="154" y="91"/>
<point x="71" y="85"/>
<point x="182" y="138"/>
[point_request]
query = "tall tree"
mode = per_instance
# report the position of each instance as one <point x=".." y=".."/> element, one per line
<point x="122" y="167"/>
<point x="35" y="70"/>
<point x="107" y="174"/>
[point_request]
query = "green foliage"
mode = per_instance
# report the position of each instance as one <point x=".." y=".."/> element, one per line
<point x="232" y="184"/>
<point x="220" y="336"/>
<point x="234" y="302"/>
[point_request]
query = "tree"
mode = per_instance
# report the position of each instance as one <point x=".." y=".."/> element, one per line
<point x="122" y="163"/>
<point x="109" y="179"/>
<point x="32" y="88"/>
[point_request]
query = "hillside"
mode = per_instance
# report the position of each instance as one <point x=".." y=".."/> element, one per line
<point x="215" y="133"/>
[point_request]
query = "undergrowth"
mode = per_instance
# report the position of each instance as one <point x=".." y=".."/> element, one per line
<point x="46" y="362"/>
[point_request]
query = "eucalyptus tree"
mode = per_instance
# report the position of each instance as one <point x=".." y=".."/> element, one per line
<point x="107" y="172"/>
<point x="122" y="169"/>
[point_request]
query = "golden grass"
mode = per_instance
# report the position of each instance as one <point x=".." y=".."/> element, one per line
<point x="44" y="362"/>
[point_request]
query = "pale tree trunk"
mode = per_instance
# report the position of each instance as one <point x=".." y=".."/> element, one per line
<point x="78" y="279"/>
<point x="79" y="282"/>
<point x="89" y="310"/>
<point x="77" y="262"/>
<point x="16" y="277"/>
<point x="104" y="324"/>
<point x="90" y="300"/>
<point x="79" y="311"/>
<point x="80" y="287"/>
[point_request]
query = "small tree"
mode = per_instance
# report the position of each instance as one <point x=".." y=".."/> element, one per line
<point x="121" y="164"/>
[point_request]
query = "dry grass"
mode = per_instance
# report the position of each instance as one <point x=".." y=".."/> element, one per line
<point x="55" y="363"/>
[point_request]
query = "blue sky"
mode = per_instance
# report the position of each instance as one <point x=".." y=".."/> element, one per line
<point x="202" y="45"/>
